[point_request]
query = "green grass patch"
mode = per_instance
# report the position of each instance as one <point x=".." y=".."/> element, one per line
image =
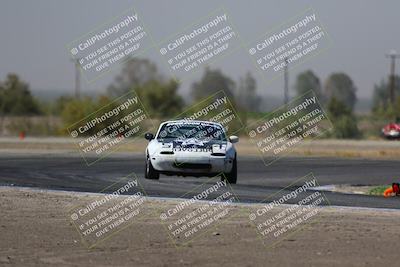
<point x="378" y="190"/>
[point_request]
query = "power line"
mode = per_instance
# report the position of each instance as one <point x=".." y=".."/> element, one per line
<point x="392" y="55"/>
<point x="286" y="81"/>
<point x="77" y="78"/>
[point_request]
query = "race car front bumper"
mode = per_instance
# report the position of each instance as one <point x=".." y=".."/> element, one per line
<point x="187" y="163"/>
<point x="391" y="133"/>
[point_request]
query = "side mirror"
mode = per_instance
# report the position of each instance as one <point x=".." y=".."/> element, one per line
<point x="149" y="136"/>
<point x="233" y="139"/>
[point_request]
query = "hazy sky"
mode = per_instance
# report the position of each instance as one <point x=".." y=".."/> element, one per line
<point x="34" y="35"/>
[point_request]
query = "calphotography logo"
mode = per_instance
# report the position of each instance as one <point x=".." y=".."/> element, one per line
<point x="200" y="44"/>
<point x="289" y="44"/>
<point x="106" y="129"/>
<point x="119" y="205"/>
<point x="288" y="211"/>
<point x="287" y="127"/>
<point x="202" y="132"/>
<point x="99" y="51"/>
<point x="209" y="206"/>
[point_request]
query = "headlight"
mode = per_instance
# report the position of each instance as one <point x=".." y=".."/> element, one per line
<point x="218" y="150"/>
<point x="393" y="132"/>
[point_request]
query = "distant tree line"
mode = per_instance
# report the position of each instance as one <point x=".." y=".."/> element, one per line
<point x="160" y="95"/>
<point x="338" y="95"/>
<point x="16" y="98"/>
<point x="162" y="99"/>
<point x="381" y="100"/>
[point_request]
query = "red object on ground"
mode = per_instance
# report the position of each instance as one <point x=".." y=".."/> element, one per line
<point x="392" y="191"/>
<point x="391" y="130"/>
<point x="388" y="192"/>
<point x="396" y="188"/>
<point x="21" y="135"/>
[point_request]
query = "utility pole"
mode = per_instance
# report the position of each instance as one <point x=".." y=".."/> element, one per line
<point x="77" y="79"/>
<point x="392" y="55"/>
<point x="286" y="81"/>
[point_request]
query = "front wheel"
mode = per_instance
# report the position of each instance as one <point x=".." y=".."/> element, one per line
<point x="150" y="172"/>
<point x="231" y="176"/>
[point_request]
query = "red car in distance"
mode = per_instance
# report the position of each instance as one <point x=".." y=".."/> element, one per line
<point x="392" y="130"/>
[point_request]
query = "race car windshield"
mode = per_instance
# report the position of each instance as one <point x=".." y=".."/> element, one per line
<point x="197" y="131"/>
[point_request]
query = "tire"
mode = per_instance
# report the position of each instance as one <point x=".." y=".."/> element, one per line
<point x="149" y="171"/>
<point x="231" y="177"/>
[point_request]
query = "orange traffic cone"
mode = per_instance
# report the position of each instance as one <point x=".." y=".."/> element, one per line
<point x="22" y="135"/>
<point x="388" y="192"/>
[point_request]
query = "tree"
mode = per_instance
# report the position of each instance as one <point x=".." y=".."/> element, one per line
<point x="161" y="99"/>
<point x="344" y="122"/>
<point x="15" y="98"/>
<point x="158" y="95"/>
<point x="212" y="82"/>
<point x="307" y="81"/>
<point x="135" y="72"/>
<point x="247" y="96"/>
<point x="341" y="87"/>
<point x="380" y="98"/>
<point x="59" y="104"/>
<point x="74" y="110"/>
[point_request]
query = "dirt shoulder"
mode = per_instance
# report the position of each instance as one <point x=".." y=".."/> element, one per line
<point x="36" y="230"/>
<point x="374" y="149"/>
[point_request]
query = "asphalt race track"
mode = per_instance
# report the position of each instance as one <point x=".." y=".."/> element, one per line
<point x="256" y="181"/>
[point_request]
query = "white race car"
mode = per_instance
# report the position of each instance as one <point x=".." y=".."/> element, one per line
<point x="191" y="148"/>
